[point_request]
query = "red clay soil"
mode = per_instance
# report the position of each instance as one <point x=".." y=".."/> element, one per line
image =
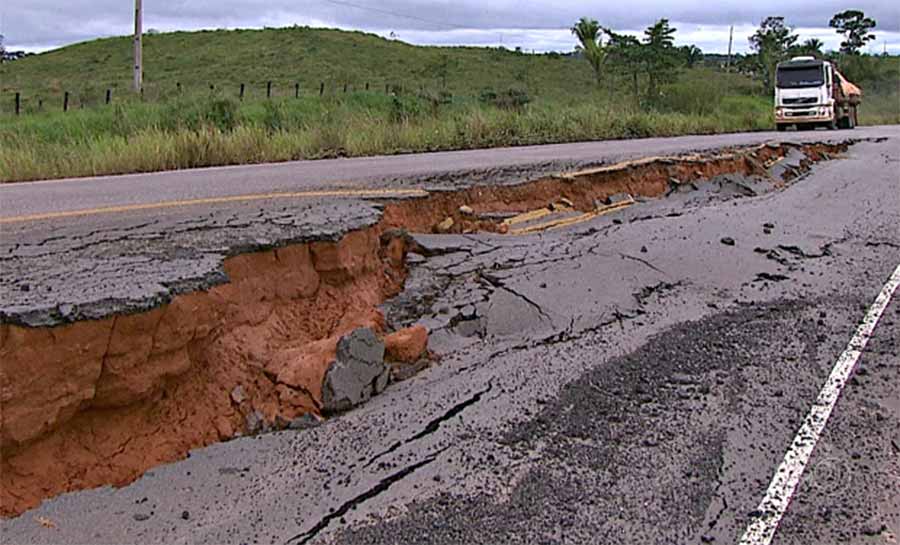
<point x="406" y="345"/>
<point x="100" y="402"/>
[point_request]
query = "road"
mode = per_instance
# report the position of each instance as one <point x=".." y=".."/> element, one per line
<point x="635" y="378"/>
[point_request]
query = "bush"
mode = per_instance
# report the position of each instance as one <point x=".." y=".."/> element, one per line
<point x="405" y="108"/>
<point x="222" y="113"/>
<point x="195" y="113"/>
<point x="510" y="99"/>
<point x="273" y="116"/>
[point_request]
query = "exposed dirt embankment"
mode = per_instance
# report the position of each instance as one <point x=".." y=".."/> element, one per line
<point x="100" y="402"/>
<point x="651" y="177"/>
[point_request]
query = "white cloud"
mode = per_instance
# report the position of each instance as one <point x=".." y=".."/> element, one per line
<point x="531" y="24"/>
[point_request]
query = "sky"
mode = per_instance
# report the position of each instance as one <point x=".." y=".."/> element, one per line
<point x="540" y="25"/>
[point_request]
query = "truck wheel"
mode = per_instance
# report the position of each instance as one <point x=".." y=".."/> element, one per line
<point x="851" y="118"/>
<point x="780" y="127"/>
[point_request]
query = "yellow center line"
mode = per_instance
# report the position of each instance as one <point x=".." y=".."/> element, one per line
<point x="359" y="193"/>
<point x="565" y="222"/>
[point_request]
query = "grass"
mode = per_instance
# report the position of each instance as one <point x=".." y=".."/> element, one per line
<point x="199" y="127"/>
<point x="284" y="56"/>
<point x="194" y="132"/>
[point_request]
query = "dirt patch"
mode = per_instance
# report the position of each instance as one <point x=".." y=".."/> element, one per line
<point x="99" y="402"/>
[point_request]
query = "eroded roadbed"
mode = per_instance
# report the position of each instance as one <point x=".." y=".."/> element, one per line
<point x="512" y="317"/>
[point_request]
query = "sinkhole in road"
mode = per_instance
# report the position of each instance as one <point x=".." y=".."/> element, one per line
<point x="294" y="335"/>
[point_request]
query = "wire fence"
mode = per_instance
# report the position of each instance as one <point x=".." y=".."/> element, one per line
<point x="18" y="103"/>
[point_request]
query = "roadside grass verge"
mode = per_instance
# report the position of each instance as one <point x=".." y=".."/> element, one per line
<point x="198" y="132"/>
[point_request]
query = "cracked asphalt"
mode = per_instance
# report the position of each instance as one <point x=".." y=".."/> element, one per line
<point x="631" y="379"/>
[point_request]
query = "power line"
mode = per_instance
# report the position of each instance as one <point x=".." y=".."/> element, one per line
<point x="395" y="14"/>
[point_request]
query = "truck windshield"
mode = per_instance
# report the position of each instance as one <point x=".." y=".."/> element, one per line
<point x="810" y="76"/>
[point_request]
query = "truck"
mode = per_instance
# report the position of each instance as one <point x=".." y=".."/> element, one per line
<point x="811" y="93"/>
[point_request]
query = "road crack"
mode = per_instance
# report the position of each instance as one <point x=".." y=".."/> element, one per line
<point x="379" y="488"/>
<point x="434" y="425"/>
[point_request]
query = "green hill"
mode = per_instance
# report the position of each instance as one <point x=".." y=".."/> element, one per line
<point x="284" y="56"/>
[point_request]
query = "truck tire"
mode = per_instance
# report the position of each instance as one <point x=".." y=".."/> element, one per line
<point x="848" y="121"/>
<point x="780" y="127"/>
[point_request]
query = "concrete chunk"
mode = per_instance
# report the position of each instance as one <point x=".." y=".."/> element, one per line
<point x="357" y="373"/>
<point x="619" y="198"/>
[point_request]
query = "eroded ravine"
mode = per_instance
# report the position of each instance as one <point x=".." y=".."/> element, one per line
<point x="100" y="402"/>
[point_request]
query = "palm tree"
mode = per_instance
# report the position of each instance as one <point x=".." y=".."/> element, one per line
<point x="692" y="55"/>
<point x="589" y="33"/>
<point x="812" y="46"/>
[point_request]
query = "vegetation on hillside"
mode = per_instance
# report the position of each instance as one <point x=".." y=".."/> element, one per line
<point x="360" y="94"/>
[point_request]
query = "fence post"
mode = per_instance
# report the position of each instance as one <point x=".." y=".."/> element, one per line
<point x="18" y="103"/>
<point x="241" y="94"/>
<point x="296" y="90"/>
<point x="66" y="101"/>
<point x="322" y="88"/>
<point x="108" y="95"/>
<point x="345" y="87"/>
<point x="178" y="87"/>
<point x="367" y="86"/>
<point x="387" y="88"/>
<point x="212" y="87"/>
<point x="40" y="105"/>
<point x="269" y="89"/>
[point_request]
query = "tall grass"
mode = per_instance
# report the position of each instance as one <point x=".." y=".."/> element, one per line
<point x="196" y="132"/>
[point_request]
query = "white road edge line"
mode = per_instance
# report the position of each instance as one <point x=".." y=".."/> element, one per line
<point x="787" y="476"/>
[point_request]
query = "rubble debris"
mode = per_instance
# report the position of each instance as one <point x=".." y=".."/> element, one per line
<point x="406" y="345"/>
<point x="727" y="241"/>
<point x="255" y="422"/>
<point x="444" y="226"/>
<point x="304" y="422"/>
<point x="619" y="198"/>
<point x="237" y="394"/>
<point x="357" y="373"/>
<point x="771" y="277"/>
<point x="45" y="522"/>
<point x="466" y="210"/>
<point x="873" y="528"/>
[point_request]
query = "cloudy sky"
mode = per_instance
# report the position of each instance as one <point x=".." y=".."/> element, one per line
<point x="542" y="25"/>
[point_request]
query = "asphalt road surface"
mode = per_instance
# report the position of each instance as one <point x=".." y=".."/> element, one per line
<point x="634" y="379"/>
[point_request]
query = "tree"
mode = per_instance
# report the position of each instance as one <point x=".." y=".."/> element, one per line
<point x="659" y="56"/>
<point x="691" y="55"/>
<point x="855" y="27"/>
<point x="590" y="38"/>
<point x="772" y="41"/>
<point x="626" y="54"/>
<point x="812" y="46"/>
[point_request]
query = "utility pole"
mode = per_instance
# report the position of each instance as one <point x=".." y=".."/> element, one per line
<point x="730" y="42"/>
<point x="138" y="48"/>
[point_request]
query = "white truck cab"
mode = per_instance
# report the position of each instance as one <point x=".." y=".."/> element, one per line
<point x="810" y="92"/>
